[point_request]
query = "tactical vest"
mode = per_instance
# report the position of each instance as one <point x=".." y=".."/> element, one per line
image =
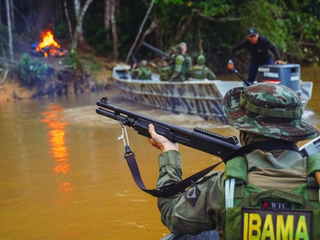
<point x="188" y="64"/>
<point x="250" y="213"/>
<point x="185" y="65"/>
<point x="198" y="72"/>
<point x="144" y="74"/>
<point x="172" y="63"/>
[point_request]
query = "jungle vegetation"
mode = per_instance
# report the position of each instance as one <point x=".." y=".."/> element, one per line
<point x="109" y="27"/>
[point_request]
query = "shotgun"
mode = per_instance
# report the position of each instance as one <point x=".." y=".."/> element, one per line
<point x="200" y="139"/>
<point x="197" y="138"/>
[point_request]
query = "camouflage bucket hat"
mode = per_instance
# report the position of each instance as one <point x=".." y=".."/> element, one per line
<point x="270" y="110"/>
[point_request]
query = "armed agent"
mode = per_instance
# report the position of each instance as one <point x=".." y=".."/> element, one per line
<point x="270" y="194"/>
<point x="181" y="65"/>
<point x="142" y="73"/>
<point x="200" y="71"/>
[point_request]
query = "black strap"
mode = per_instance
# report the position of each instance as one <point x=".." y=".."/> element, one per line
<point x="264" y="146"/>
<point x="175" y="188"/>
<point x="165" y="191"/>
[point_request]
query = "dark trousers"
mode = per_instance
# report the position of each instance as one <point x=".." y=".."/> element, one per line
<point x="253" y="69"/>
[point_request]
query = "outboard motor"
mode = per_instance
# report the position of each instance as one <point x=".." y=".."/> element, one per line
<point x="287" y="74"/>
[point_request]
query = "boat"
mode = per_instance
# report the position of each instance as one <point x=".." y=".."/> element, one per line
<point x="197" y="97"/>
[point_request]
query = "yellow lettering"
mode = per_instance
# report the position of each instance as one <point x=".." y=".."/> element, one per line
<point x="284" y="230"/>
<point x="245" y="226"/>
<point x="302" y="230"/>
<point x="254" y="226"/>
<point x="268" y="230"/>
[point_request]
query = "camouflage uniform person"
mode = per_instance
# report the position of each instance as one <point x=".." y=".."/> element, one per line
<point x="166" y="69"/>
<point x="142" y="73"/>
<point x="173" y="55"/>
<point x="180" y="68"/>
<point x="274" y="180"/>
<point x="183" y="45"/>
<point x="200" y="71"/>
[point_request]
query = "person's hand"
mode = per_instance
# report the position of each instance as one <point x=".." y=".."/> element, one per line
<point x="152" y="64"/>
<point x="280" y="62"/>
<point x="160" y="142"/>
<point x="230" y="66"/>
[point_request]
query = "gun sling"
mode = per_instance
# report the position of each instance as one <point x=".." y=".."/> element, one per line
<point x="175" y="188"/>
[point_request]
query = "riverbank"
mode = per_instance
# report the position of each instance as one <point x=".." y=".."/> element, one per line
<point x="60" y="80"/>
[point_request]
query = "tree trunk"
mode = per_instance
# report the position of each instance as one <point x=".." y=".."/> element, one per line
<point x="114" y="29"/>
<point x="28" y="25"/>
<point x="150" y="29"/>
<point x="140" y="30"/>
<point x="159" y="36"/>
<point x="13" y="25"/>
<point x="9" y="29"/>
<point x="107" y="17"/>
<point x="182" y="27"/>
<point x="67" y="17"/>
<point x="78" y="33"/>
<point x="200" y="41"/>
<point x="77" y="7"/>
<point x="83" y="12"/>
<point x="60" y="9"/>
<point x="0" y="12"/>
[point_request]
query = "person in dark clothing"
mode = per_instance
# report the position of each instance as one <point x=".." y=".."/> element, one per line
<point x="259" y="48"/>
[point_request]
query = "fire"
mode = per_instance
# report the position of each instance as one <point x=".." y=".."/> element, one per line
<point x="48" y="46"/>
<point x="48" y="40"/>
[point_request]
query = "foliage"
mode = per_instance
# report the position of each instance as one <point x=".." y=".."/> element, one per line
<point x="61" y="30"/>
<point x="72" y="60"/>
<point x="212" y="25"/>
<point x="29" y="70"/>
<point x="81" y="62"/>
<point x="91" y="62"/>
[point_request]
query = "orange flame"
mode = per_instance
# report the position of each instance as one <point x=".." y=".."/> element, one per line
<point x="48" y="41"/>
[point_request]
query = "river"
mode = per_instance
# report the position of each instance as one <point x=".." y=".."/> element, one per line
<point x="63" y="175"/>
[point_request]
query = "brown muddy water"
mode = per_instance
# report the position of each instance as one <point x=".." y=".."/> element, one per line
<point x="63" y="175"/>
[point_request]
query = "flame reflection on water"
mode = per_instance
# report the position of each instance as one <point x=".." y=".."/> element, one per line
<point x="57" y="134"/>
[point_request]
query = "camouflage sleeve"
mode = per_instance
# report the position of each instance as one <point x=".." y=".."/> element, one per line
<point x="178" y="67"/>
<point x="133" y="70"/>
<point x="209" y="74"/>
<point x="196" y="209"/>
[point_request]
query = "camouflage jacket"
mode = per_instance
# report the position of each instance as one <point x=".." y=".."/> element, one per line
<point x="181" y="68"/>
<point x="142" y="73"/>
<point x="201" y="72"/>
<point x="285" y="168"/>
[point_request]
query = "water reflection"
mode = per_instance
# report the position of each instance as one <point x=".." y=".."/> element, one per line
<point x="57" y="134"/>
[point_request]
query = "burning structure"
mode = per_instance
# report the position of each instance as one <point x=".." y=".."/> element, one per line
<point x="47" y="47"/>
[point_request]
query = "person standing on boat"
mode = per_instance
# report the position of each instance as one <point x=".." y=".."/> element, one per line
<point x="184" y="47"/>
<point x="262" y="193"/>
<point x="200" y="71"/>
<point x="180" y="67"/>
<point x="259" y="48"/>
<point x="142" y="73"/>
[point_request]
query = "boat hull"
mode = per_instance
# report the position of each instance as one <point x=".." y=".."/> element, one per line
<point x="201" y="98"/>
